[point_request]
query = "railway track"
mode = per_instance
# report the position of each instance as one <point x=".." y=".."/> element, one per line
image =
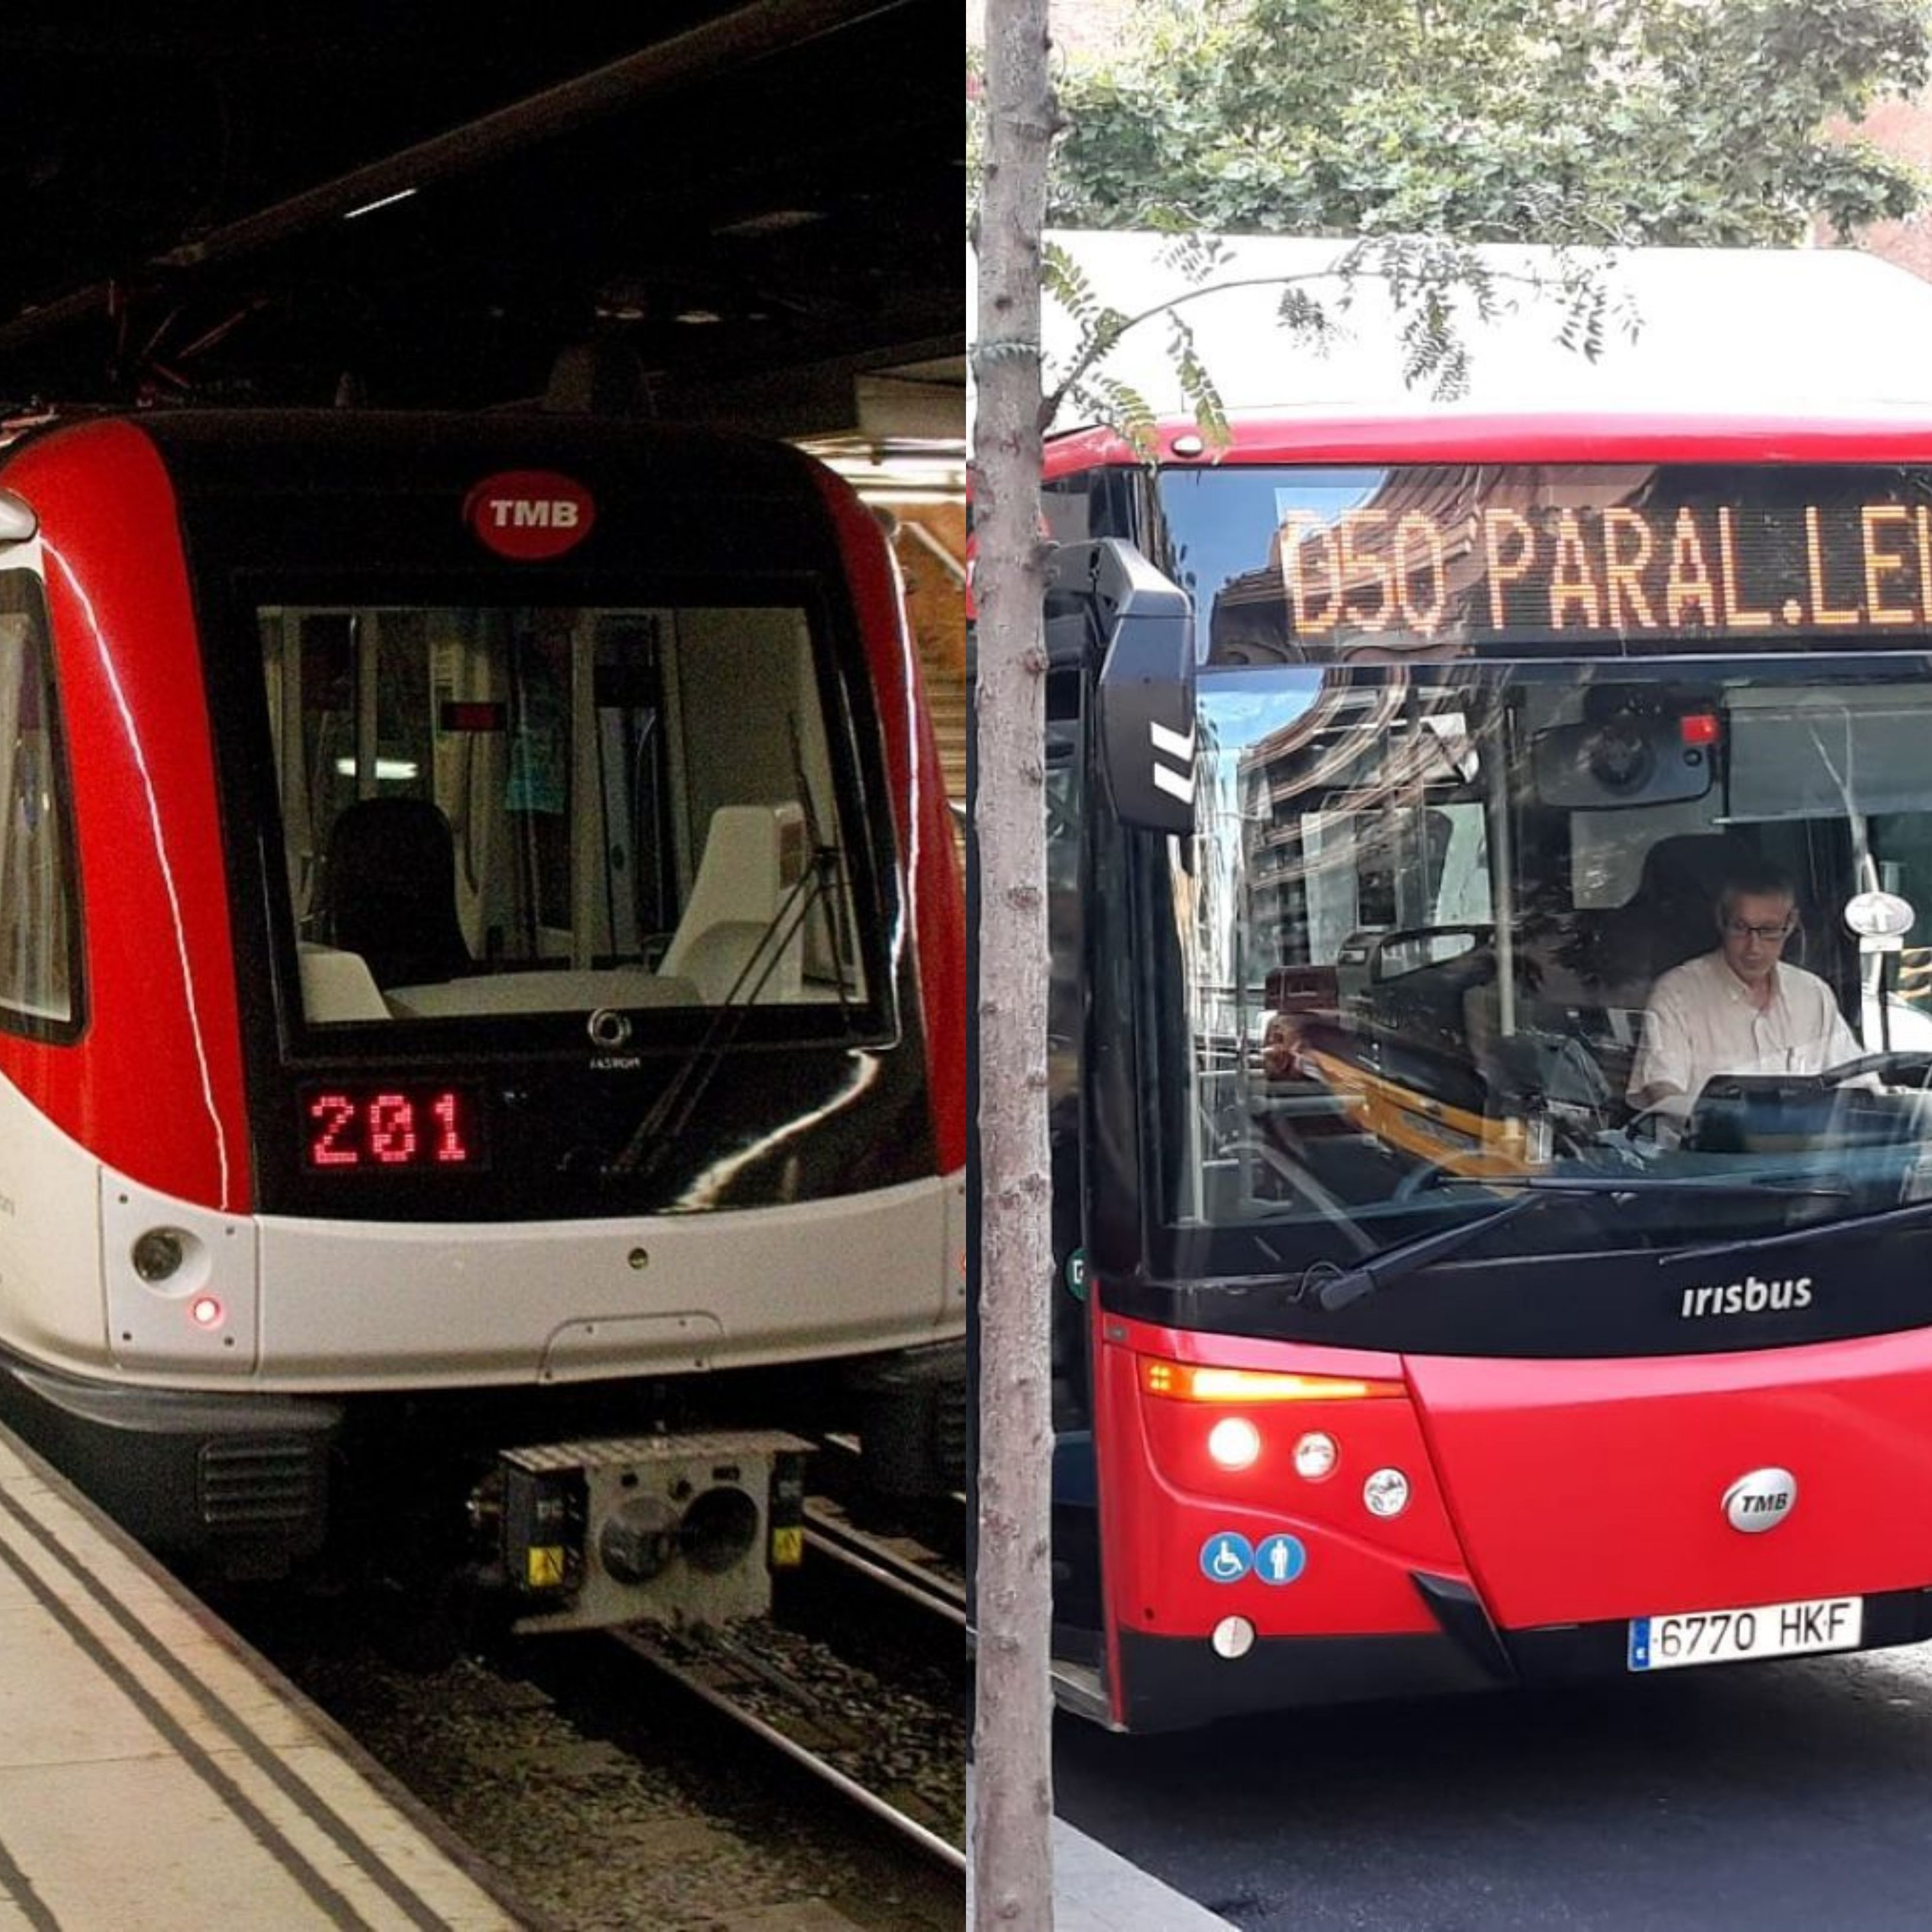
<point x="785" y="1714"/>
<point x="567" y="1760"/>
<point x="903" y="1565"/>
<point x="868" y="1697"/>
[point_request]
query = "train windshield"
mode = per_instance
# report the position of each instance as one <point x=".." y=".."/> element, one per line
<point x="1450" y="931"/>
<point x="492" y="811"/>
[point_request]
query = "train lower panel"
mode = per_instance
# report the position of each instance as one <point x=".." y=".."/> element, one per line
<point x="567" y="1507"/>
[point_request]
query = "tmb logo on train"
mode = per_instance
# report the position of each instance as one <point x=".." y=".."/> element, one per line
<point x="529" y="514"/>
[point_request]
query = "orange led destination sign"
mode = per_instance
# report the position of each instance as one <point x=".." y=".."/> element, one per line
<point x="1846" y="569"/>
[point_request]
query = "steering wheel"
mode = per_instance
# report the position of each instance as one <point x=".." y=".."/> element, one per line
<point x="1914" y="1064"/>
<point x="1654" y="1131"/>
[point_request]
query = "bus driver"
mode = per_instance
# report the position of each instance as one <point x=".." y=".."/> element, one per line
<point x="1739" y="1008"/>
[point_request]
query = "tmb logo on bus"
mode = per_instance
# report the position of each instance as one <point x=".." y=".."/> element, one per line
<point x="529" y="514"/>
<point x="1748" y="1297"/>
<point x="1760" y="1501"/>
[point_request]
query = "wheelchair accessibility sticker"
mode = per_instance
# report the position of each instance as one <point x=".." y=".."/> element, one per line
<point x="1226" y="1557"/>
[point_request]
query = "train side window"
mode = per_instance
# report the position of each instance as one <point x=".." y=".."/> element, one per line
<point x="39" y="995"/>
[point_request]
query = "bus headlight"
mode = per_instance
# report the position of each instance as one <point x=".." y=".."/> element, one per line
<point x="1386" y="1492"/>
<point x="1234" y="1442"/>
<point x="1316" y="1456"/>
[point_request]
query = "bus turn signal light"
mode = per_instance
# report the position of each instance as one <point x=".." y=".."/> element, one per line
<point x="1186" y="1382"/>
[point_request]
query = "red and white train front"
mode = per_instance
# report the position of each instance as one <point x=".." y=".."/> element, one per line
<point x="481" y="974"/>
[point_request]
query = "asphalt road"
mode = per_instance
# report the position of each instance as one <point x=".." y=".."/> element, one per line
<point x="1760" y="1797"/>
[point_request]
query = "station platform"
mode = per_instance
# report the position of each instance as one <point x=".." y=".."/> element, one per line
<point x="154" y="1774"/>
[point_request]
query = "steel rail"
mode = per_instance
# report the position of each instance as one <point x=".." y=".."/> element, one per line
<point x="941" y="1850"/>
<point x="871" y="1558"/>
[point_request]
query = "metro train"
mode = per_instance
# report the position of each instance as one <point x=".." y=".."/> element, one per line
<point x="482" y="1033"/>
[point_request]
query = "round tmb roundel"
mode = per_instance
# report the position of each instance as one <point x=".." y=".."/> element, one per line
<point x="529" y="514"/>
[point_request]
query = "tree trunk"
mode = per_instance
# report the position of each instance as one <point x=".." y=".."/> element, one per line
<point x="1012" y="1806"/>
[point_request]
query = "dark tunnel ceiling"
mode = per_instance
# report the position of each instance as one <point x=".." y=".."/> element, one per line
<point x="732" y="204"/>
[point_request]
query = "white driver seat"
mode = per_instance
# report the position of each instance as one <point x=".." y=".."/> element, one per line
<point x="754" y="856"/>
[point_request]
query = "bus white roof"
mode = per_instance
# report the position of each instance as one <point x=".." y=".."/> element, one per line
<point x="1784" y="332"/>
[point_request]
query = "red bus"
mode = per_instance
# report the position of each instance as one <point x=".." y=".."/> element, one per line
<point x="1490" y="855"/>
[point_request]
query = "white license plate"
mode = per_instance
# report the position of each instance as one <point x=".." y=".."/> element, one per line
<point x="1731" y="1637"/>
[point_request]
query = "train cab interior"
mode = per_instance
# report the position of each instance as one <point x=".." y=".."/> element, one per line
<point x="488" y="811"/>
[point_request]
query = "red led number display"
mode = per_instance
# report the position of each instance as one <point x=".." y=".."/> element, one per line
<point x="394" y="1127"/>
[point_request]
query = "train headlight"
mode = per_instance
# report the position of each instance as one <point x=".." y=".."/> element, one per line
<point x="1386" y="1492"/>
<point x="1234" y="1442"/>
<point x="206" y="1312"/>
<point x="1316" y="1456"/>
<point x="158" y="1254"/>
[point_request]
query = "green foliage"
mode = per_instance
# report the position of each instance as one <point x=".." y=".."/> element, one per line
<point x="1693" y="122"/>
<point x="1427" y="279"/>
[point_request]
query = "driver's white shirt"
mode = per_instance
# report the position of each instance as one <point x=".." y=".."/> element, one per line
<point x="1702" y="1020"/>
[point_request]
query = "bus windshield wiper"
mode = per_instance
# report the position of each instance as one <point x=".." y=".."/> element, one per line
<point x="1406" y="1257"/>
<point x="1753" y="1244"/>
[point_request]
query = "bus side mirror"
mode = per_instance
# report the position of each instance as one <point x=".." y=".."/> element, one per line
<point x="1144" y="626"/>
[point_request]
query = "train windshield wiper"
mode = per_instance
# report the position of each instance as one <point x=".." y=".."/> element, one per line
<point x="1407" y="1258"/>
<point x="671" y="1113"/>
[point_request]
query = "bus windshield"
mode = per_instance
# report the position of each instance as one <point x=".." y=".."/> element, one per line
<point x="1451" y="928"/>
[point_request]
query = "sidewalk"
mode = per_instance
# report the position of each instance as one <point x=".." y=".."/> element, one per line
<point x="1096" y="1890"/>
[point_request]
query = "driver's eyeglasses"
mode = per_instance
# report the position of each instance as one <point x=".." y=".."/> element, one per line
<point x="1737" y="928"/>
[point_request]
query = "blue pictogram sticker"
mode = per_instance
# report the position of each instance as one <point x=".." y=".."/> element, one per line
<point x="1226" y="1557"/>
<point x="1280" y="1558"/>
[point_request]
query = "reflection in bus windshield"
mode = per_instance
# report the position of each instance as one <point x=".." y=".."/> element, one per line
<point x="1489" y="922"/>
